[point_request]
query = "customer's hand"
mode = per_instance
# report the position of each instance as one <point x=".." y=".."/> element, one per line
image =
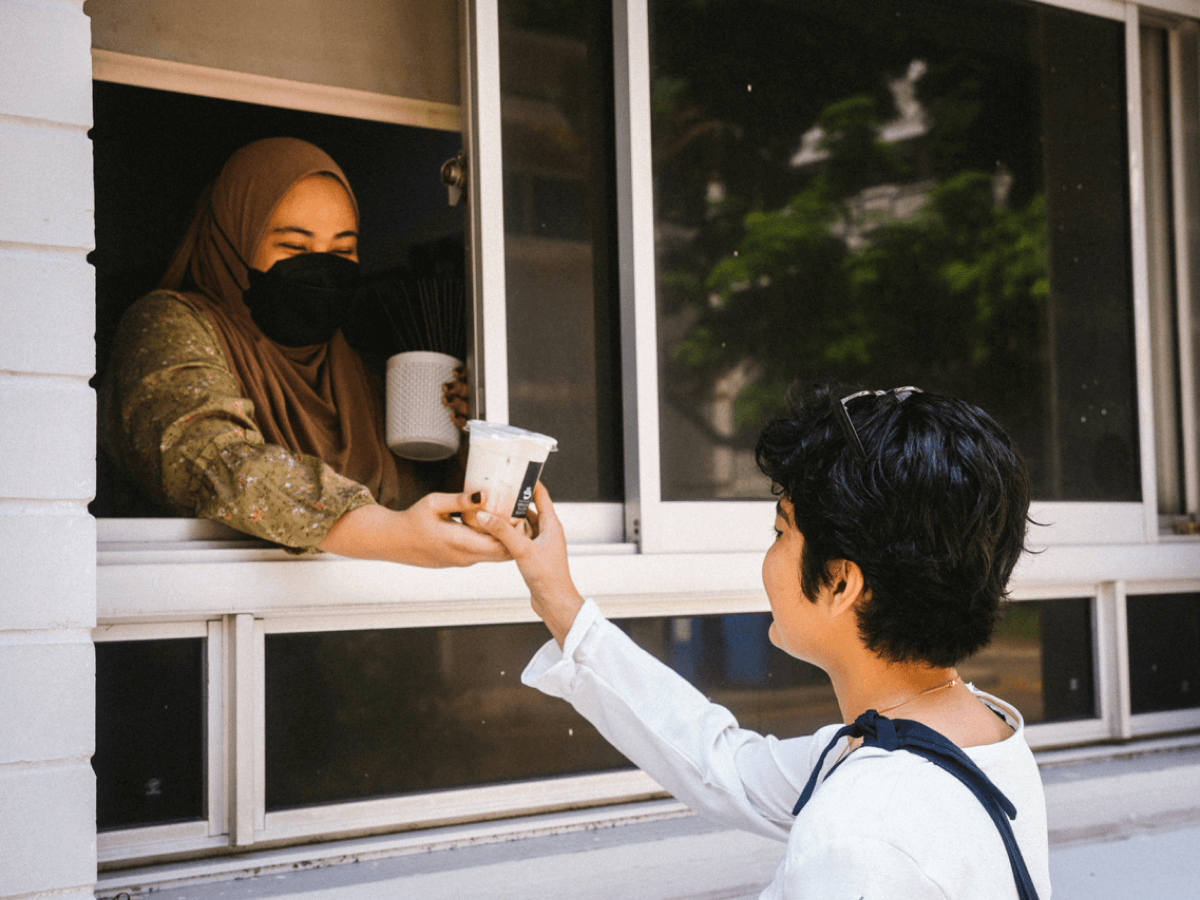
<point x="542" y="561"/>
<point x="426" y="534"/>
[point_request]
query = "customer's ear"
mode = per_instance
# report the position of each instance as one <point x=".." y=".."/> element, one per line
<point x="847" y="585"/>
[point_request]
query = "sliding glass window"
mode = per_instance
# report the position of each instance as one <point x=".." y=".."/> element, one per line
<point x="877" y="194"/>
<point x="559" y="239"/>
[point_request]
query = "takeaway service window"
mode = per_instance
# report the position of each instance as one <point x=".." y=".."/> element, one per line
<point x="155" y="151"/>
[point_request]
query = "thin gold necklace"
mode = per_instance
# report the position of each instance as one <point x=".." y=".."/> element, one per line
<point x="937" y="687"/>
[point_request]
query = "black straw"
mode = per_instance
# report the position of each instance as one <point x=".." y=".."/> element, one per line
<point x="432" y="320"/>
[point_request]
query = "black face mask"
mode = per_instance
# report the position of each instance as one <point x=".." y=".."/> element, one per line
<point x="303" y="299"/>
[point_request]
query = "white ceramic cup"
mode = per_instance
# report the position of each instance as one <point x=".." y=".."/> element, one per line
<point x="505" y="463"/>
<point x="419" y="425"/>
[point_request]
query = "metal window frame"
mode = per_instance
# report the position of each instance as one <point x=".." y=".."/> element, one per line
<point x="1184" y="93"/>
<point x="237" y="645"/>
<point x="1183" y="96"/>
<point x="661" y="526"/>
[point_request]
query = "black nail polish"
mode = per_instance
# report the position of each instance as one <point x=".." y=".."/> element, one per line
<point x="476" y="497"/>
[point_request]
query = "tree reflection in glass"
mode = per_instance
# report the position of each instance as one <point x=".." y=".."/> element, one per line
<point x="906" y="193"/>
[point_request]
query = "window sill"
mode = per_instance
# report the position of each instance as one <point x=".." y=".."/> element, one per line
<point x="139" y="581"/>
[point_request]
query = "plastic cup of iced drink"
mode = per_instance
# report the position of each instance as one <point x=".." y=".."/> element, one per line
<point x="505" y="463"/>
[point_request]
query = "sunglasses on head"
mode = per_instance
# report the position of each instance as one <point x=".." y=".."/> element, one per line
<point x="842" y="413"/>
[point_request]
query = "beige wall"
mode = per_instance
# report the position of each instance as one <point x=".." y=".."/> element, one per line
<point x="47" y="454"/>
<point x="403" y="48"/>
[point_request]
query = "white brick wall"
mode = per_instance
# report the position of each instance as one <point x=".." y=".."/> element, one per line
<point x="59" y="340"/>
<point x="47" y="454"/>
<point x="49" y="822"/>
<point x="46" y="459"/>
<point x="51" y="558"/>
<point x="44" y="59"/>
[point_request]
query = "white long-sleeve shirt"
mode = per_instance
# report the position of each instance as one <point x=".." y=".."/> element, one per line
<point x="891" y="826"/>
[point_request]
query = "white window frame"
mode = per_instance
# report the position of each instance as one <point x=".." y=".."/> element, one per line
<point x="1184" y="89"/>
<point x="674" y="526"/>
<point x="166" y="578"/>
<point x="209" y="832"/>
<point x="1174" y="248"/>
<point x="1139" y="725"/>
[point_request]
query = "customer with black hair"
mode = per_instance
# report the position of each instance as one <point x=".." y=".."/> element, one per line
<point x="900" y="518"/>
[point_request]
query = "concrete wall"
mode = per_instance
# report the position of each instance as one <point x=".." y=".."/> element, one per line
<point x="47" y="453"/>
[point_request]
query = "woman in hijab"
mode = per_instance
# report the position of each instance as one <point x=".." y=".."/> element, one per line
<point x="234" y="395"/>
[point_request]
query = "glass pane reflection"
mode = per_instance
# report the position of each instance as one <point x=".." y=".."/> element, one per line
<point x="559" y="238"/>
<point x="359" y="714"/>
<point x="150" y="746"/>
<point x="1040" y="661"/>
<point x="351" y="715"/>
<point x="928" y="192"/>
<point x="1164" y="651"/>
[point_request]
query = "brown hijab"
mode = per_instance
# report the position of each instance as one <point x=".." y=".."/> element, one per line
<point x="320" y="399"/>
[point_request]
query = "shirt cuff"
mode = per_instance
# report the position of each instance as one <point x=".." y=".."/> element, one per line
<point x="552" y="669"/>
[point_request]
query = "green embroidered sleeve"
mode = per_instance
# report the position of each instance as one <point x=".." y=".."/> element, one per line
<point x="176" y="423"/>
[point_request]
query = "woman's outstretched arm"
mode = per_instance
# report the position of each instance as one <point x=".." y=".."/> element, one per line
<point x="176" y="421"/>
<point x="425" y="534"/>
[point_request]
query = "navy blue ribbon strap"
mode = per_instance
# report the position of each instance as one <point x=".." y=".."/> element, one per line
<point x="905" y="734"/>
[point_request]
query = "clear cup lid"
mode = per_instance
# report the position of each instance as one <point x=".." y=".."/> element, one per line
<point x="494" y="431"/>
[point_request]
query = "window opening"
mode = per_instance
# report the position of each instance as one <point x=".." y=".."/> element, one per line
<point x="156" y="150"/>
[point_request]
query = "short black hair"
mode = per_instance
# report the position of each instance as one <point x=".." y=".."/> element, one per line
<point x="936" y="518"/>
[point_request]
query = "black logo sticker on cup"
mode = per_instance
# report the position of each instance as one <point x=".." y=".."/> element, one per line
<point x="525" y="494"/>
